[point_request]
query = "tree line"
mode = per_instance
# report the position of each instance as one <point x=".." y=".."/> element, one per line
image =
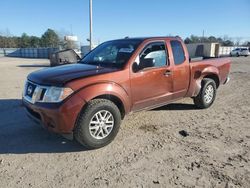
<point x="49" y="39"/>
<point x="225" y="41"/>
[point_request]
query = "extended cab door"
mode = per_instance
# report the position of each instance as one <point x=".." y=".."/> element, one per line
<point x="181" y="68"/>
<point x="151" y="77"/>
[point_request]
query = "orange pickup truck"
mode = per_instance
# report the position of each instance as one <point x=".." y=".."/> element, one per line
<point x="88" y="100"/>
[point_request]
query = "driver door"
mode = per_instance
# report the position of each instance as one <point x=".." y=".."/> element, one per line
<point x="151" y="83"/>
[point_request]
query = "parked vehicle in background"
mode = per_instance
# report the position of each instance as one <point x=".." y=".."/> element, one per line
<point x="89" y="99"/>
<point x="240" y="52"/>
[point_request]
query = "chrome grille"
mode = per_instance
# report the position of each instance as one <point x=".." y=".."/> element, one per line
<point x="33" y="92"/>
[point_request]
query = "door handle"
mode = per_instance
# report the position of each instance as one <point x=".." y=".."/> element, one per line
<point x="168" y="73"/>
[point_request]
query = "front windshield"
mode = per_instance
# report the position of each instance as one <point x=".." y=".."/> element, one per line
<point x="113" y="53"/>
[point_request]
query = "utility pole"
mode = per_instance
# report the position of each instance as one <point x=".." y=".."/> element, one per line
<point x="203" y="35"/>
<point x="90" y="25"/>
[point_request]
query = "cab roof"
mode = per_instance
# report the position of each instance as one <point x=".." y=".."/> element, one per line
<point x="146" y="38"/>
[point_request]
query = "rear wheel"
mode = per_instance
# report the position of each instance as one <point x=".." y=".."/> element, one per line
<point x="207" y="94"/>
<point x="238" y="55"/>
<point x="98" y="124"/>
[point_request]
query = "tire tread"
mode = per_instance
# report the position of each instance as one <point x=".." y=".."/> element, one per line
<point x="83" y="117"/>
<point x="198" y="100"/>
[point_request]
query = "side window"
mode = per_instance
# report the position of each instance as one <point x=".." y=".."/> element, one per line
<point x="178" y="52"/>
<point x="154" y="53"/>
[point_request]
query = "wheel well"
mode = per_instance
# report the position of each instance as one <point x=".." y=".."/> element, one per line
<point x="115" y="100"/>
<point x="215" y="78"/>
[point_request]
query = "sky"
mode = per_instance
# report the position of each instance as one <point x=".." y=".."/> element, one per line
<point x="114" y="19"/>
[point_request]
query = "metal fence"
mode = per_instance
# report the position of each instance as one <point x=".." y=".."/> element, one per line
<point x="28" y="52"/>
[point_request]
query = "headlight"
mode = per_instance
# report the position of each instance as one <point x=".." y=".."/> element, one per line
<point x="56" y="94"/>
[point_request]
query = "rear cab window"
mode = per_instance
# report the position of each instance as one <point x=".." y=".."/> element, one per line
<point x="178" y="52"/>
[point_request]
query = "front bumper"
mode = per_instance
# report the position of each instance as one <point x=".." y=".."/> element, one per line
<point x="32" y="115"/>
<point x="59" y="118"/>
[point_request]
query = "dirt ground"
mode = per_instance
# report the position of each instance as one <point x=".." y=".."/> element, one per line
<point x="149" y="151"/>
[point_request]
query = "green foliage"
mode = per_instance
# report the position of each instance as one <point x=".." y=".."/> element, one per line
<point x="35" y="42"/>
<point x="48" y="39"/>
<point x="9" y="42"/>
<point x="24" y="41"/>
<point x="227" y="43"/>
<point x="247" y="43"/>
<point x="195" y="39"/>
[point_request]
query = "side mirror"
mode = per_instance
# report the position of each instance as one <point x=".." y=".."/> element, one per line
<point x="135" y="67"/>
<point x="146" y="63"/>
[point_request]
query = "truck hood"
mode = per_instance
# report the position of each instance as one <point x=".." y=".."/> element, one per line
<point x="58" y="76"/>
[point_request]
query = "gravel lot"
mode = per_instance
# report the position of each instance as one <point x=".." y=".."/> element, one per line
<point x="149" y="151"/>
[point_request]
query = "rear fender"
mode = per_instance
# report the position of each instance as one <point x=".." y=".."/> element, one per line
<point x="198" y="77"/>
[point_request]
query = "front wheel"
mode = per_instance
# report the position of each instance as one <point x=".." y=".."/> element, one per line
<point x="207" y="94"/>
<point x="98" y="124"/>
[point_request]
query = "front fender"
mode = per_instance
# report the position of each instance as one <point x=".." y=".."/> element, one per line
<point x="106" y="88"/>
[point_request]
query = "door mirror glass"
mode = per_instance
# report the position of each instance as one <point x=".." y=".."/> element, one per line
<point x="135" y="67"/>
<point x="146" y="63"/>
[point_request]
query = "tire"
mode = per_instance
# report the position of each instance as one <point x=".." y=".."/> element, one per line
<point x="91" y="135"/>
<point x="201" y="100"/>
<point x="238" y="55"/>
